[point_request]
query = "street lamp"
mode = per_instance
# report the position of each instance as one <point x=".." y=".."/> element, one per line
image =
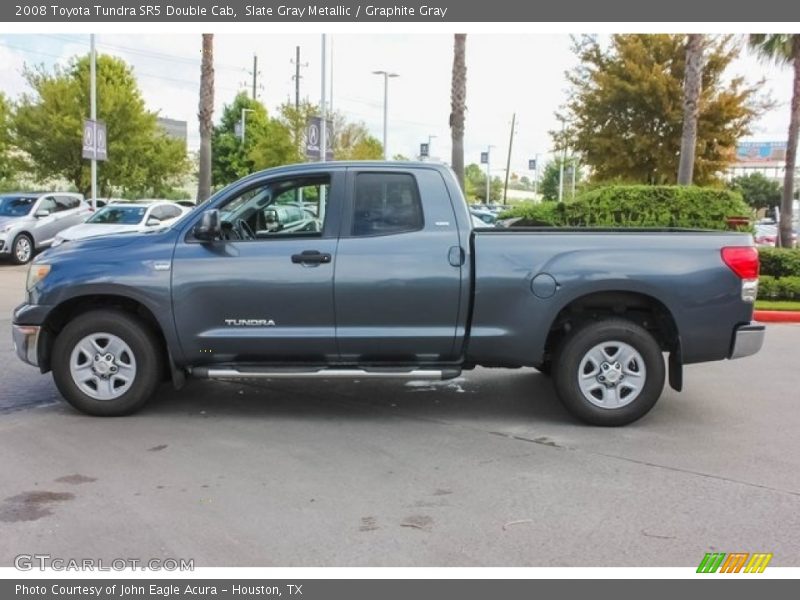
<point x="386" y="76"/>
<point x="244" y="121"/>
<point x="430" y="145"/>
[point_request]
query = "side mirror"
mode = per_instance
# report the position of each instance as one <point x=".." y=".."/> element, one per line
<point x="42" y="212"/>
<point x="153" y="222"/>
<point x="209" y="228"/>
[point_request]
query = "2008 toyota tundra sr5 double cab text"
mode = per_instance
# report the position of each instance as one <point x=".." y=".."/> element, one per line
<point x="358" y="270"/>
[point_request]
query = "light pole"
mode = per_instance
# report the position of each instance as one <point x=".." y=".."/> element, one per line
<point x="562" y="161"/>
<point x="386" y="76"/>
<point x="488" y="173"/>
<point x="93" y="113"/>
<point x="244" y="121"/>
<point x="430" y="144"/>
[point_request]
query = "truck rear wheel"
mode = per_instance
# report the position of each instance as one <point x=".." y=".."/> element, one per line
<point x="106" y="363"/>
<point x="609" y="372"/>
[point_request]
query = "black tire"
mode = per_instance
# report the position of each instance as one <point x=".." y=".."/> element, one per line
<point x="579" y="343"/>
<point x="142" y="343"/>
<point x="22" y="238"/>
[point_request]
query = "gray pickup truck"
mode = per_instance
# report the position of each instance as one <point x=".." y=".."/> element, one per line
<point x="374" y="270"/>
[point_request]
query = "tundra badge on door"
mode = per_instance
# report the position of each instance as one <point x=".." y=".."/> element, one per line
<point x="250" y="322"/>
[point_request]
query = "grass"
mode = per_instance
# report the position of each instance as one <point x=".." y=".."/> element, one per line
<point x="778" y="305"/>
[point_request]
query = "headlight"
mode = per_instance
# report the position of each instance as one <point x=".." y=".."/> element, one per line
<point x="36" y="274"/>
<point x="57" y="241"/>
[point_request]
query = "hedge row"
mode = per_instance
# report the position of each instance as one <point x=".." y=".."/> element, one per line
<point x="780" y="262"/>
<point x="778" y="288"/>
<point x="636" y="206"/>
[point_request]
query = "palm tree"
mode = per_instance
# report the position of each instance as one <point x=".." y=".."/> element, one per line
<point x="458" y="98"/>
<point x="692" y="86"/>
<point x="205" y="116"/>
<point x="784" y="48"/>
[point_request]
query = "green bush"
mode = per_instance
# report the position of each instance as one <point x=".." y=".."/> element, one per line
<point x="767" y="287"/>
<point x="778" y="288"/>
<point x="780" y="262"/>
<point x="637" y="206"/>
<point x="789" y="288"/>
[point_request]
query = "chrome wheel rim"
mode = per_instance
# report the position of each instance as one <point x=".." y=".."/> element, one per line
<point x="103" y="366"/>
<point x="22" y="249"/>
<point x="612" y="375"/>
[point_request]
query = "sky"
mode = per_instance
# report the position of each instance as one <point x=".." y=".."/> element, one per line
<point x="506" y="74"/>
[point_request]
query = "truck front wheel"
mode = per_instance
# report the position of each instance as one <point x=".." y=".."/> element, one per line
<point x="609" y="372"/>
<point x="106" y="363"/>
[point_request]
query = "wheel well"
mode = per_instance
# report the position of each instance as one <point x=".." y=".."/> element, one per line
<point x="74" y="307"/>
<point x="641" y="309"/>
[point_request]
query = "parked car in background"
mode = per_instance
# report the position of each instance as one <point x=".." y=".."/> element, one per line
<point x="123" y="217"/>
<point x="487" y="218"/>
<point x="765" y="234"/>
<point x="31" y="221"/>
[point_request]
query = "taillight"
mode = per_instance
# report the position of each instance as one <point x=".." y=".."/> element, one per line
<point x="742" y="260"/>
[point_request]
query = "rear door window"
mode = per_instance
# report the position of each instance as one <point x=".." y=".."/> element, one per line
<point x="386" y="204"/>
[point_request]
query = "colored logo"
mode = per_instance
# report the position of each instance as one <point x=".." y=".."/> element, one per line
<point x="735" y="562"/>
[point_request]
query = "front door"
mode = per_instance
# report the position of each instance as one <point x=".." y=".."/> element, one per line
<point x="264" y="293"/>
<point x="398" y="269"/>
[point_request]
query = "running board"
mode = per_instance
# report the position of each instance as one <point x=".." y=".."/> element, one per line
<point x="256" y="373"/>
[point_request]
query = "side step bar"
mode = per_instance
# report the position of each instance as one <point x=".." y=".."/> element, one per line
<point x="323" y="373"/>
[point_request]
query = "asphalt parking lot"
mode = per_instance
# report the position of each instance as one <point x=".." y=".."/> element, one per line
<point x="486" y="470"/>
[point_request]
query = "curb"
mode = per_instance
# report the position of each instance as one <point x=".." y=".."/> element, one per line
<point x="777" y="316"/>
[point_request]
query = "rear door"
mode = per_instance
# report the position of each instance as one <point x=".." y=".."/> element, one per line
<point x="398" y="268"/>
<point x="70" y="211"/>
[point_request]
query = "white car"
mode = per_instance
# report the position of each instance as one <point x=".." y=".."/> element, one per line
<point x="123" y="217"/>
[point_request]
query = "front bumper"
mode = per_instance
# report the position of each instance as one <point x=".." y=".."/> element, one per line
<point x="26" y="343"/>
<point x="747" y="340"/>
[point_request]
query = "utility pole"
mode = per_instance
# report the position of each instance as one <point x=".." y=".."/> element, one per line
<point x="536" y="177"/>
<point x="508" y="159"/>
<point x="93" y="111"/>
<point x="254" y="73"/>
<point x="297" y="76"/>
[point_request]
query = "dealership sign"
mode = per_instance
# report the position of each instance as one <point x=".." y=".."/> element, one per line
<point x="761" y="152"/>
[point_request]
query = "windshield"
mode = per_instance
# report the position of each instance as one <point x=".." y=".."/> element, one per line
<point x="16" y="206"/>
<point x="119" y="215"/>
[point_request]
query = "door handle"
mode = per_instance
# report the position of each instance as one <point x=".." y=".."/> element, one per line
<point x="311" y="257"/>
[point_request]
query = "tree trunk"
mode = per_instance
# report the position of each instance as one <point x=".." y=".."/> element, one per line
<point x="205" y="116"/>
<point x="458" y="99"/>
<point x="791" y="151"/>
<point x="692" y="84"/>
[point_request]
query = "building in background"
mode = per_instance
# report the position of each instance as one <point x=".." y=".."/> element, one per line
<point x="174" y="128"/>
<point x="767" y="158"/>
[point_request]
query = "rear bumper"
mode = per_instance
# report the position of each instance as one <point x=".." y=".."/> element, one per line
<point x="747" y="340"/>
<point x="26" y="343"/>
